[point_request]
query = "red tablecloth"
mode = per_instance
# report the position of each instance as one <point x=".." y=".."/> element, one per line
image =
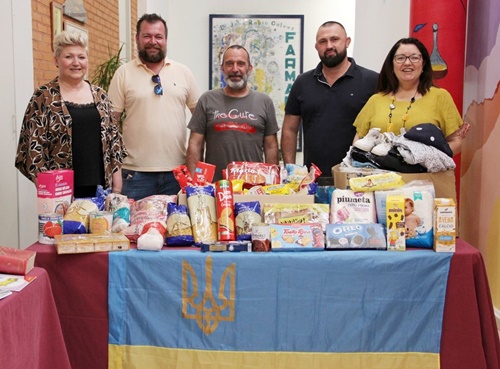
<point x="30" y="333"/>
<point x="469" y="340"/>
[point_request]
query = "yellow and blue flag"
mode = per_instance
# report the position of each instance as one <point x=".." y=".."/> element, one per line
<point x="343" y="310"/>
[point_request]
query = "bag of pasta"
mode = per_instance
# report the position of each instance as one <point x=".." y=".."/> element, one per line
<point x="179" y="232"/>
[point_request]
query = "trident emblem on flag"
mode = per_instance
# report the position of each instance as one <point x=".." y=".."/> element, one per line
<point x="213" y="306"/>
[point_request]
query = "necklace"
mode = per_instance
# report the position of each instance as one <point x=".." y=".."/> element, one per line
<point x="405" y="116"/>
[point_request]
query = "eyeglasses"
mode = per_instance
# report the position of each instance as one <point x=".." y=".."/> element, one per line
<point x="157" y="89"/>
<point x="414" y="58"/>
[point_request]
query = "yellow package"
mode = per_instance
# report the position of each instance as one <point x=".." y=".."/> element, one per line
<point x="376" y="182"/>
<point x="395" y="217"/>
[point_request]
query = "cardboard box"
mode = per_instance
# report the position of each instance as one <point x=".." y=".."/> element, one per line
<point x="54" y="191"/>
<point x="85" y="243"/>
<point x="395" y="213"/>
<point x="444" y="182"/>
<point x="263" y="199"/>
<point x="445" y="213"/>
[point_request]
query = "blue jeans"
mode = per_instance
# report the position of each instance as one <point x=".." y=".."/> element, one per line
<point x="138" y="185"/>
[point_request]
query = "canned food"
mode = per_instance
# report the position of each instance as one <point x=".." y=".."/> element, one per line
<point x="100" y="222"/>
<point x="49" y="225"/>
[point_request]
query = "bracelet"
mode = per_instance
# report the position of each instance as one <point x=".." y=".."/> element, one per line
<point x="117" y="192"/>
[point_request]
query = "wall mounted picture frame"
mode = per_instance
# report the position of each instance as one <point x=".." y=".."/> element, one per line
<point x="56" y="18"/>
<point x="275" y="44"/>
<point x="72" y="26"/>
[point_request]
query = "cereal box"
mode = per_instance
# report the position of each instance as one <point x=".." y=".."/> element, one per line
<point x="444" y="225"/>
<point x="297" y="237"/>
<point x="395" y="214"/>
<point x="54" y="191"/>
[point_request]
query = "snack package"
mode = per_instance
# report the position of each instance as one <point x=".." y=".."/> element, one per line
<point x="297" y="237"/>
<point x="352" y="207"/>
<point x="150" y="212"/>
<point x="201" y="205"/>
<point x="254" y="173"/>
<point x="355" y="237"/>
<point x="179" y="232"/>
<point x="296" y="213"/>
<point x="76" y="219"/>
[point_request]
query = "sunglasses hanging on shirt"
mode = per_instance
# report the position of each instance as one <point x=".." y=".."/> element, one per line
<point x="158" y="89"/>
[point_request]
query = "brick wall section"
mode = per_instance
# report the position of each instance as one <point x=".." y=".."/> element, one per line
<point x="102" y="27"/>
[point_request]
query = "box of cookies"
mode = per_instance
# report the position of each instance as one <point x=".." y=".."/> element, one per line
<point x="297" y="237"/>
<point x="355" y="237"/>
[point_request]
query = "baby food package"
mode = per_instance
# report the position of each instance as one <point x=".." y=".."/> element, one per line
<point x="419" y="206"/>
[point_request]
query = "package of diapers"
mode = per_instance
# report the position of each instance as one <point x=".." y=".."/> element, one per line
<point x="348" y="206"/>
<point x="419" y="202"/>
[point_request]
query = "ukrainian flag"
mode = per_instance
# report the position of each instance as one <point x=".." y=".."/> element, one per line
<point x="309" y="310"/>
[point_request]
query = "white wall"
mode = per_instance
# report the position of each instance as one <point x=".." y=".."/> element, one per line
<point x="18" y="218"/>
<point x="374" y="26"/>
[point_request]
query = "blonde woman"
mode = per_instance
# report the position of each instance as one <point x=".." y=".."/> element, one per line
<point x="69" y="123"/>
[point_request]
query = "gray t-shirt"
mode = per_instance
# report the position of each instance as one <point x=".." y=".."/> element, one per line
<point x="234" y="127"/>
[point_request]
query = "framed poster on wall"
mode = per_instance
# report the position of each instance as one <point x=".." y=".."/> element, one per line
<point x="275" y="44"/>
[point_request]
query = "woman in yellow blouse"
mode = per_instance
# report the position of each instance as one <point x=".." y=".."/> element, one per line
<point x="407" y="97"/>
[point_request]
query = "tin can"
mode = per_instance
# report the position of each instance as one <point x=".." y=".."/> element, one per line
<point x="100" y="222"/>
<point x="261" y="237"/>
<point x="49" y="225"/>
<point x="225" y="210"/>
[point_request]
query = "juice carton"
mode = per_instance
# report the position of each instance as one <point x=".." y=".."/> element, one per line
<point x="54" y="191"/>
<point x="444" y="225"/>
<point x="395" y="217"/>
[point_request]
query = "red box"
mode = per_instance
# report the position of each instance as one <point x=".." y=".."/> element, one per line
<point x="54" y="191"/>
<point x="204" y="173"/>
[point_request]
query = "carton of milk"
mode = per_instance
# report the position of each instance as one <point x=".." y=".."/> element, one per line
<point x="444" y="225"/>
<point x="54" y="191"/>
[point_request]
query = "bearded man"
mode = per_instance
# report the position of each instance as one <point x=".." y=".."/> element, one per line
<point x="326" y="100"/>
<point x="233" y="123"/>
<point x="154" y="92"/>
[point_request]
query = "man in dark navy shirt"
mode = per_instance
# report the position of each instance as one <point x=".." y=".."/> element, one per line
<point x="326" y="100"/>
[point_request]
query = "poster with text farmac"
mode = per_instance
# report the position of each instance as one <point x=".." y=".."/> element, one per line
<point x="274" y="43"/>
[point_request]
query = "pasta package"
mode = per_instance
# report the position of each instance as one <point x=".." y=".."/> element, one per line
<point x="201" y="205"/>
<point x="246" y="215"/>
<point x="119" y="205"/>
<point x="76" y="219"/>
<point x="179" y="232"/>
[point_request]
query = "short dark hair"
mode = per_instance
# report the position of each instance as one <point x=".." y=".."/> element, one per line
<point x="332" y="23"/>
<point x="151" y="18"/>
<point x="387" y="81"/>
<point x="236" y="47"/>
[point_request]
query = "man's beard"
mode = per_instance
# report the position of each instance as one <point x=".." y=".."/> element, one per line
<point x="143" y="54"/>
<point x="334" y="60"/>
<point x="240" y="85"/>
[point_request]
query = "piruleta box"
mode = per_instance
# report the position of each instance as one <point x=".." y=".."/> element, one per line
<point x="54" y="191"/>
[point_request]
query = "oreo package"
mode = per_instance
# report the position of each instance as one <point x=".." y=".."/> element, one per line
<point x="355" y="237"/>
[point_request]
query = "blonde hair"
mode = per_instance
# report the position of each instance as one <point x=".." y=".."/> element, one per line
<point x="69" y="38"/>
